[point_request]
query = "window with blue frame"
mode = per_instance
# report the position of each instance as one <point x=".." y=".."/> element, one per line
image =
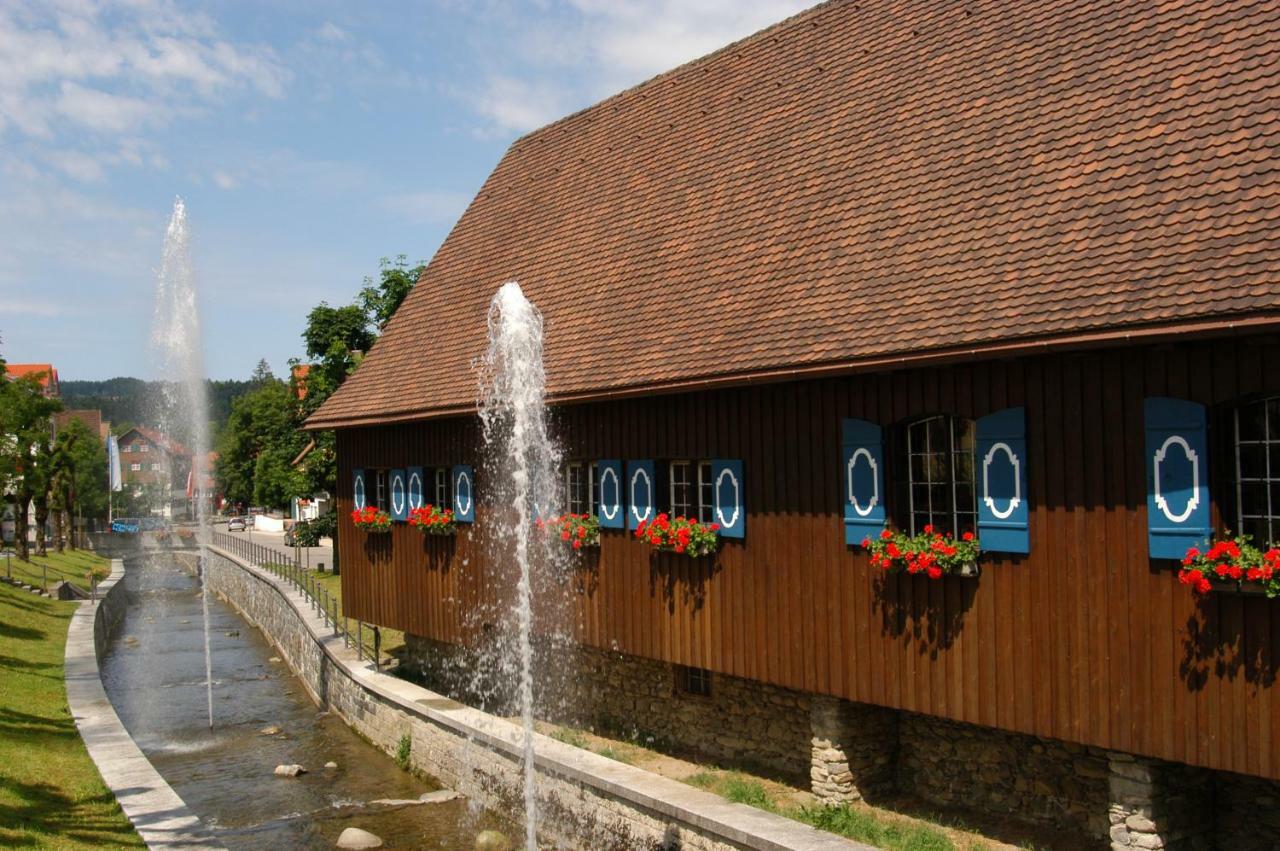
<point x="691" y="490"/>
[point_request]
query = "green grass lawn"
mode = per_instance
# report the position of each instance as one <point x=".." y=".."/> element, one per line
<point x="73" y="566"/>
<point x="51" y="795"/>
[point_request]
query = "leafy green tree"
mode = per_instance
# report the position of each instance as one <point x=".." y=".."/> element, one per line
<point x="381" y="297"/>
<point x="80" y="477"/>
<point x="26" y="430"/>
<point x="257" y="446"/>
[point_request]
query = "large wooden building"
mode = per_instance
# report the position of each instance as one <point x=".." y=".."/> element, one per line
<point x="1011" y="269"/>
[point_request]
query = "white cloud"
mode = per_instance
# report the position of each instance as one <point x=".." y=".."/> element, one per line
<point x="428" y="208"/>
<point x="223" y="180"/>
<point x="99" y="110"/>
<point x="521" y="105"/>
<point x="78" y="165"/>
<point x="20" y="306"/>
<point x="548" y="65"/>
<point x="117" y="67"/>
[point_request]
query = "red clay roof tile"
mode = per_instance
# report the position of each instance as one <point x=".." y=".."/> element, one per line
<point x="864" y="180"/>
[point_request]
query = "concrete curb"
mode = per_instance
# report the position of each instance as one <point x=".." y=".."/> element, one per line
<point x="735" y="824"/>
<point x="158" y="814"/>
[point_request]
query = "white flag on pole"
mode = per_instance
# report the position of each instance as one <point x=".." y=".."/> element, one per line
<point x="113" y="463"/>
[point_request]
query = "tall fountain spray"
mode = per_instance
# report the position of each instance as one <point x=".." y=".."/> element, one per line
<point x="179" y="354"/>
<point x="521" y="459"/>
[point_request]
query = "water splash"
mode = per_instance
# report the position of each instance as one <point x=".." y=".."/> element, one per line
<point x="521" y="459"/>
<point x="178" y="348"/>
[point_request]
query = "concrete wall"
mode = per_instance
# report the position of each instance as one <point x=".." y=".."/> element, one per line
<point x="586" y="800"/>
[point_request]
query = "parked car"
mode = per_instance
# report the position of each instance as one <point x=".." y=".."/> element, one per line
<point x="236" y="524"/>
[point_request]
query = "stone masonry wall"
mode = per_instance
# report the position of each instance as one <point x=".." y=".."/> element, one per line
<point x="480" y="756"/>
<point x="1247" y="811"/>
<point x="741" y="723"/>
<point x="1022" y="777"/>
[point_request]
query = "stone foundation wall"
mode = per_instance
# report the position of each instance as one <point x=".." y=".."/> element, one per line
<point x="584" y="800"/>
<point x="1246" y="810"/>
<point x="1022" y="777"/>
<point x="742" y="722"/>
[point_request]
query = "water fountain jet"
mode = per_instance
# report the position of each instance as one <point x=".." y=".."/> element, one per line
<point x="521" y="460"/>
<point x="179" y="355"/>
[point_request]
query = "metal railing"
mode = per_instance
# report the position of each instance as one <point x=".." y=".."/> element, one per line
<point x="290" y="568"/>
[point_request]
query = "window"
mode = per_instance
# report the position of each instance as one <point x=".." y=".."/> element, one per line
<point x="706" y="493"/>
<point x="695" y="681"/>
<point x="692" y="491"/>
<point x="135" y="467"/>
<point x="1257" y="446"/>
<point x="380" y="489"/>
<point x="144" y="447"/>
<point x="682" y="495"/>
<point x="128" y="448"/>
<point x="580" y="488"/>
<point x="444" y="499"/>
<point x="155" y="465"/>
<point x="935" y="464"/>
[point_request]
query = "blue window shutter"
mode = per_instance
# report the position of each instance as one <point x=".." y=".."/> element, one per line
<point x="642" y="486"/>
<point x="463" y="483"/>
<point x="862" y="477"/>
<point x="1177" y="462"/>
<point x="729" y="498"/>
<point x="1004" y="515"/>
<point x="609" y="479"/>
<point x="359" y="493"/>
<point x="416" y="485"/>
<point x="399" y="495"/>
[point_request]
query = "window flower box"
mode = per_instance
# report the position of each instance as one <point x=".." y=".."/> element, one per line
<point x="931" y="553"/>
<point x="575" y="530"/>
<point x="1232" y="566"/>
<point x="681" y="535"/>
<point x="430" y="520"/>
<point x="371" y="519"/>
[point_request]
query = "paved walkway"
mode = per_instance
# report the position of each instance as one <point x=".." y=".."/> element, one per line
<point x="307" y="556"/>
<point x="158" y="814"/>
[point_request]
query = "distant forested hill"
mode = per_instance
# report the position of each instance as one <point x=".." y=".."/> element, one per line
<point x="132" y="401"/>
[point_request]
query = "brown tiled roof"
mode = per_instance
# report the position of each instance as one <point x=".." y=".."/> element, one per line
<point x="91" y="417"/>
<point x="863" y="181"/>
<point x="44" y="373"/>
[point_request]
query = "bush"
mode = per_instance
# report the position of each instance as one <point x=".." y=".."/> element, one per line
<point x="403" y="750"/>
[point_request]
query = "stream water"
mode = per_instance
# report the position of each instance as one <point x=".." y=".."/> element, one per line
<point x="154" y="675"/>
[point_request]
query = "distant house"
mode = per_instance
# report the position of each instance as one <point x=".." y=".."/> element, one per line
<point x="91" y="418"/>
<point x="150" y="458"/>
<point x="45" y="373"/>
<point x="1004" y="269"/>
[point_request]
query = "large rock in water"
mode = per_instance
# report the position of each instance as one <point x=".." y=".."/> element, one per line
<point x="354" y="837"/>
<point x="492" y="840"/>
<point x="439" y="796"/>
<point x="289" y="770"/>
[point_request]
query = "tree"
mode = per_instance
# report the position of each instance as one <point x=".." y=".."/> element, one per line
<point x="257" y="446"/>
<point x="79" y="479"/>
<point x="331" y="330"/>
<point x="262" y="374"/>
<point x="380" y="298"/>
<point x="26" y="426"/>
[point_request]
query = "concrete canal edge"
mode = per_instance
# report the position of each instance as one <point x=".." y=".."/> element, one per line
<point x="585" y="799"/>
<point x="158" y="814"/>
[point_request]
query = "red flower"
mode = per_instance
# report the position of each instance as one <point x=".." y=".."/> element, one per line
<point x="928" y="528"/>
<point x="866" y="542"/>
<point x="968" y="536"/>
<point x="885" y="535"/>
<point x="935" y="572"/>
<point x="577" y="545"/>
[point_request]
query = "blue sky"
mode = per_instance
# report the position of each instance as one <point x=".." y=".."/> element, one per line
<point x="309" y="139"/>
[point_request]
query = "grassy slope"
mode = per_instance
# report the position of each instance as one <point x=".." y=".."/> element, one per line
<point x="51" y="795"/>
<point x="72" y="565"/>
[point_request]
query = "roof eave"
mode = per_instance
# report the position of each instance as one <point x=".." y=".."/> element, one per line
<point x="1243" y="324"/>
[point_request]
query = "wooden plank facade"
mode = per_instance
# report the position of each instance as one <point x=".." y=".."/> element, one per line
<point x="1085" y="639"/>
